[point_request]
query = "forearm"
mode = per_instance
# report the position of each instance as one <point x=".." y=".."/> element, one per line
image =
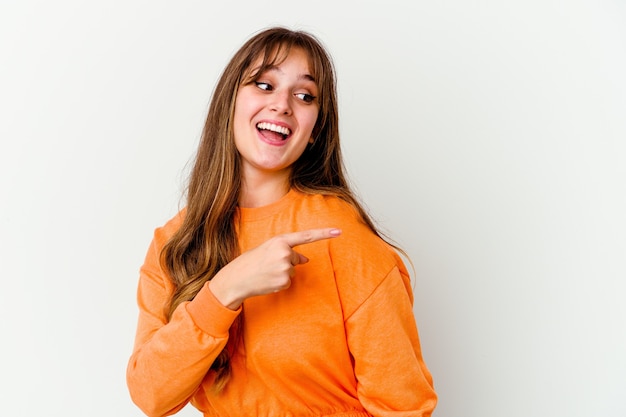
<point x="169" y="362"/>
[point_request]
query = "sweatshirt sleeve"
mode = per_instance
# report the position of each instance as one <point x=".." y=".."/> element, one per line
<point x="392" y="378"/>
<point x="171" y="358"/>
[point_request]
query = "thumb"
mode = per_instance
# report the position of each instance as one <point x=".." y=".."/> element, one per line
<point x="300" y="259"/>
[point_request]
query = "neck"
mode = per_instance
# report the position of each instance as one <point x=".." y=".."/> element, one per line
<point x="260" y="191"/>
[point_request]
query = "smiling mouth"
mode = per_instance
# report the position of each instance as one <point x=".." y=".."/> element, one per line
<point x="272" y="131"/>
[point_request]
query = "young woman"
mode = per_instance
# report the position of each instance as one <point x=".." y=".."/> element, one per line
<point x="272" y="293"/>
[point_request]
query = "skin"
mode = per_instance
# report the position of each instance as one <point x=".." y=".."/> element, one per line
<point x="284" y="96"/>
<point x="266" y="269"/>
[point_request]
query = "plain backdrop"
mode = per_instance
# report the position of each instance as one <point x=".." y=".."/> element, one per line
<point x="486" y="137"/>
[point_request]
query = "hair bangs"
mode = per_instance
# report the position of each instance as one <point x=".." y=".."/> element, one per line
<point x="276" y="50"/>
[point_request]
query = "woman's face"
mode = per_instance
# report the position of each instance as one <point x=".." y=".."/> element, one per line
<point x="274" y="116"/>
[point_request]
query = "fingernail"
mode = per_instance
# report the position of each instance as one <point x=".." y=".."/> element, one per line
<point x="335" y="232"/>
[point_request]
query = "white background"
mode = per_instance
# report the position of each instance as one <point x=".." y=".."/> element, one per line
<point x="487" y="137"/>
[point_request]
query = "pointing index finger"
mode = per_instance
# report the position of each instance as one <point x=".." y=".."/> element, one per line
<point x="311" y="235"/>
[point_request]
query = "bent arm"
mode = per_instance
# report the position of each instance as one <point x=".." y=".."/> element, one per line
<point x="382" y="335"/>
<point x="171" y="358"/>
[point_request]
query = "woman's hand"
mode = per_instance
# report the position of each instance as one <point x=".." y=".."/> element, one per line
<point x="266" y="269"/>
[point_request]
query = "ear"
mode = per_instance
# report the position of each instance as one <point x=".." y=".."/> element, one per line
<point x="311" y="140"/>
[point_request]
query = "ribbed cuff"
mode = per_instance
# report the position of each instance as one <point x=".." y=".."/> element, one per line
<point x="209" y="314"/>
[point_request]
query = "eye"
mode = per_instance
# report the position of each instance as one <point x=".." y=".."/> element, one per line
<point x="263" y="86"/>
<point x="307" y="98"/>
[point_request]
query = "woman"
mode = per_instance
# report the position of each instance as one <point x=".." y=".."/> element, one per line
<point x="272" y="293"/>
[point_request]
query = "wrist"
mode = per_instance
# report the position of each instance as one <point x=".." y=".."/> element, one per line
<point x="224" y="294"/>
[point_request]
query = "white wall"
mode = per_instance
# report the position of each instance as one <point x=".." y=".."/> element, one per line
<point x="487" y="137"/>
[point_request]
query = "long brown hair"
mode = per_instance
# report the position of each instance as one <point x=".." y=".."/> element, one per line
<point x="207" y="239"/>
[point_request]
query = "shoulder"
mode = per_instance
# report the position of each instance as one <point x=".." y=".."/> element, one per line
<point x="323" y="209"/>
<point x="331" y="211"/>
<point x="357" y="238"/>
<point x="152" y="275"/>
<point x="162" y="234"/>
<point x="361" y="259"/>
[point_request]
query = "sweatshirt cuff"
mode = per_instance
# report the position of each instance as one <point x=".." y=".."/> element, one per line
<point x="209" y="314"/>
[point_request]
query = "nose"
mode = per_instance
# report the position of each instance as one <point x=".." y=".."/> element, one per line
<point x="281" y="102"/>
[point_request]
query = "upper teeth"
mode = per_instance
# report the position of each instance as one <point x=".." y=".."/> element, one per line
<point x="274" y="128"/>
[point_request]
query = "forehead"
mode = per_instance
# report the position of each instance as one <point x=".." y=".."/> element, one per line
<point x="273" y="59"/>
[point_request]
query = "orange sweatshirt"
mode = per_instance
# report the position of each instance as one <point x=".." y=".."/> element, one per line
<point x="341" y="341"/>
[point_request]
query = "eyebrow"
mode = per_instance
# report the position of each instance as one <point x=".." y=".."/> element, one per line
<point x="307" y="77"/>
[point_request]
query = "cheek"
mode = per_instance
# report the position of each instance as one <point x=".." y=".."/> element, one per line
<point x="246" y="104"/>
<point x="311" y="119"/>
<point x="244" y="112"/>
<point x="237" y="113"/>
<point x="241" y="104"/>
